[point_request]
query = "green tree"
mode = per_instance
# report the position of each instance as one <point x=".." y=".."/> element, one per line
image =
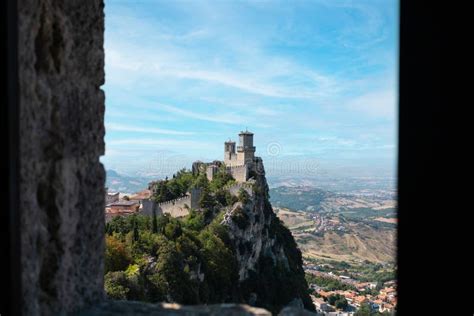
<point x="173" y="230"/>
<point x="221" y="179"/>
<point x="168" y="275"/>
<point x="206" y="201"/>
<point x="240" y="217"/>
<point x="243" y="196"/>
<point x="220" y="265"/>
<point x="364" y="310"/>
<point x="118" y="224"/>
<point x="341" y="303"/>
<point x="154" y="226"/>
<point x="136" y="235"/>
<point x="194" y="221"/>
<point x="201" y="182"/>
<point x="117" y="257"/>
<point x="165" y="194"/>
<point x="115" y="284"/>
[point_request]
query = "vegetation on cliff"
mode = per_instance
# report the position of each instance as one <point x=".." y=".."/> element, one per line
<point x="196" y="259"/>
<point x="185" y="261"/>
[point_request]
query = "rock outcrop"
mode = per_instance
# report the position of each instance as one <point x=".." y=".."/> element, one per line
<point x="112" y="308"/>
<point x="270" y="264"/>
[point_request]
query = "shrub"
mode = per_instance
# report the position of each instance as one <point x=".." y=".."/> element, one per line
<point x="243" y="196"/>
<point x="240" y="218"/>
<point x="339" y="301"/>
<point x="117" y="256"/>
<point x="115" y="284"/>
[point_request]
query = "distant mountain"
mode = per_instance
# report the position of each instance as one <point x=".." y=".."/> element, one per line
<point x="352" y="237"/>
<point x="308" y="198"/>
<point x="112" y="173"/>
<point x="299" y="197"/>
<point x="331" y="183"/>
<point x="339" y="226"/>
<point x="117" y="182"/>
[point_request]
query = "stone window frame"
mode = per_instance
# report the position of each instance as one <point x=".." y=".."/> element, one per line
<point x="9" y="220"/>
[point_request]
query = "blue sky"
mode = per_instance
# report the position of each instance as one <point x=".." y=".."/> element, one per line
<point x="316" y="81"/>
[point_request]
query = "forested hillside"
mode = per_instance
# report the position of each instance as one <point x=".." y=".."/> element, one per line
<point x="233" y="249"/>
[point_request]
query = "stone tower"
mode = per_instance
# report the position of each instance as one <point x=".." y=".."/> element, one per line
<point x="246" y="149"/>
<point x="230" y="157"/>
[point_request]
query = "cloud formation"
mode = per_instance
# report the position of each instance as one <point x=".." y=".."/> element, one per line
<point x="318" y="77"/>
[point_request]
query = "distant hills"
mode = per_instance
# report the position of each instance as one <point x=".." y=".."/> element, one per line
<point x="117" y="182"/>
<point x="130" y="183"/>
<point x="306" y="198"/>
<point x="334" y="183"/>
<point x="367" y="210"/>
<point x="344" y="227"/>
<point x="342" y="238"/>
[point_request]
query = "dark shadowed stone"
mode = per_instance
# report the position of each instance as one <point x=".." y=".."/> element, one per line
<point x="110" y="308"/>
<point x="295" y="311"/>
<point x="61" y="61"/>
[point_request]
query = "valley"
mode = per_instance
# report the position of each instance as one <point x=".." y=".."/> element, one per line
<point x="349" y="227"/>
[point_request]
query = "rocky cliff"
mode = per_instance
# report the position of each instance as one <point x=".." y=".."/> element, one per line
<point x="233" y="249"/>
<point x="269" y="262"/>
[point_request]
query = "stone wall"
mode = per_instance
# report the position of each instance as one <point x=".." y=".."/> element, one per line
<point x="148" y="207"/>
<point x="235" y="188"/>
<point x="110" y="308"/>
<point x="61" y="70"/>
<point x="240" y="173"/>
<point x="176" y="208"/>
<point x="195" y="197"/>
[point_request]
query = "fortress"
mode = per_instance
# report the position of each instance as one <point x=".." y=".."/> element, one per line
<point x="239" y="161"/>
<point x="245" y="150"/>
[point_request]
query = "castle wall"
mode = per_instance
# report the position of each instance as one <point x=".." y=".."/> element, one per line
<point x="235" y="188"/>
<point x="211" y="171"/>
<point x="240" y="173"/>
<point x="195" y="196"/>
<point x="230" y="159"/>
<point x="148" y="206"/>
<point x="176" y="208"/>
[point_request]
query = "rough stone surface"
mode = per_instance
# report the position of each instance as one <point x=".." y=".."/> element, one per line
<point x="262" y="244"/>
<point x="61" y="69"/>
<point x="295" y="311"/>
<point x="110" y="308"/>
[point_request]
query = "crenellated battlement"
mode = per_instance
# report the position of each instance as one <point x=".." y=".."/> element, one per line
<point x="240" y="165"/>
<point x="176" y="207"/>
<point x="241" y="154"/>
<point x="174" y="201"/>
<point x="235" y="187"/>
<point x="239" y="172"/>
<point x="235" y="166"/>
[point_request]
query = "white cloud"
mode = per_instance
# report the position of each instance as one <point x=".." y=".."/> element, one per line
<point x="201" y="62"/>
<point x="382" y="104"/>
<point x="152" y="144"/>
<point x="152" y="130"/>
<point x="230" y="118"/>
<point x="274" y="77"/>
